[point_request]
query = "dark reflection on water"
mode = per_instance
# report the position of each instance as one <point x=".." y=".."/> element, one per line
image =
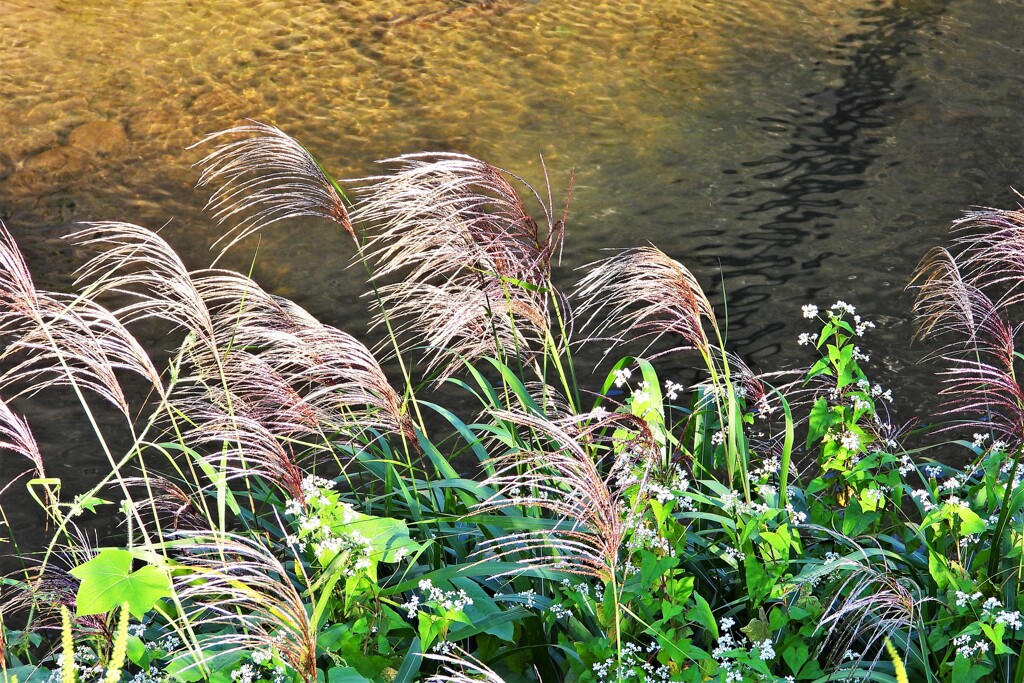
<point x="831" y="141"/>
<point x="790" y="152"/>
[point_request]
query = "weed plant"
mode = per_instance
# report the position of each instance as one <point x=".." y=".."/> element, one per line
<point x="290" y="517"/>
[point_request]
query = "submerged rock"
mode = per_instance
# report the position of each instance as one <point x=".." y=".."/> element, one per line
<point x="99" y="137"/>
<point x="61" y="160"/>
<point x="6" y="165"/>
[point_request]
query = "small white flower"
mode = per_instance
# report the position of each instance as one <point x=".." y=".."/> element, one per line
<point x="850" y="441"/>
<point x="804" y="339"/>
<point x="672" y="390"/>
<point x="622" y="376"/>
<point x="991" y="604"/>
<point x="857" y="355"/>
<point x="809" y="311"/>
<point x="841" y="307"/>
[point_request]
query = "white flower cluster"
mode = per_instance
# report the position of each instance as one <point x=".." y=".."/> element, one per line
<point x="993" y="609"/>
<point x="316" y="534"/>
<point x="806" y="338"/>
<point x="673" y="482"/>
<point x="733" y="501"/>
<point x="963" y="599"/>
<point x="726" y="654"/>
<point x="560" y="612"/>
<point x="646" y="537"/>
<point x="861" y="326"/>
<point x="622" y="376"/>
<point x="795" y="516"/>
<point x="82" y="673"/>
<point x="849" y="440"/>
<point x="873" y="495"/>
<point x="258" y="667"/>
<point x="769" y="467"/>
<point x="451" y="601"/>
<point x="244" y="674"/>
<point x="150" y="675"/>
<point x="642" y="393"/>
<point x="841" y="308"/>
<point x="634" y="660"/>
<point x="967" y="646"/>
<point x="169" y="643"/>
<point x="672" y="390"/>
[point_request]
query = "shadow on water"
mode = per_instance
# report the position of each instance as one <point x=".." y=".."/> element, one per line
<point x="801" y="191"/>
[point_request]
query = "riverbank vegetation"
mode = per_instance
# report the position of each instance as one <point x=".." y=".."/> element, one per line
<point x="292" y="513"/>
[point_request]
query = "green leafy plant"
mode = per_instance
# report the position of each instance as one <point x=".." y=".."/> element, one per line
<point x="293" y="515"/>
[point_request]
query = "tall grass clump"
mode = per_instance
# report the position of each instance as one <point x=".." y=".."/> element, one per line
<point x="292" y="512"/>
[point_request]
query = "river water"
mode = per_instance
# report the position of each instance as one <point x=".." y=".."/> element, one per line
<point x="788" y="151"/>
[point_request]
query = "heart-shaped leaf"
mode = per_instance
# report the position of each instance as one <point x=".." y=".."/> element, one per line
<point x="108" y="580"/>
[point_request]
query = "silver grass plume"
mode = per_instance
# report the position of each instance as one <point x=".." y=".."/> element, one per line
<point x="462" y="667"/>
<point x="136" y="262"/>
<point x="261" y="176"/>
<point x="60" y="340"/>
<point x="330" y="379"/>
<point x="579" y="477"/>
<point x="644" y="294"/>
<point x="870" y="604"/>
<point x="475" y="266"/>
<point x="979" y="341"/>
<point x="243" y="447"/>
<point x="991" y="251"/>
<point x="16" y="437"/>
<point x="234" y="589"/>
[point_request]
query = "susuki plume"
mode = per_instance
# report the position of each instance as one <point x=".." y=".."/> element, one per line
<point x="462" y="668"/>
<point x="324" y="377"/>
<point x="58" y="339"/>
<point x="647" y="294"/>
<point x="243" y="447"/>
<point x="953" y="302"/>
<point x="236" y="583"/>
<point x="264" y="176"/>
<point x="15" y="436"/>
<point x="870" y="605"/>
<point x="562" y="476"/>
<point x="991" y="245"/>
<point x="475" y="265"/>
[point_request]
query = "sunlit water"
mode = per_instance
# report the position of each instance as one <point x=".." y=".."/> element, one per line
<point x="789" y="152"/>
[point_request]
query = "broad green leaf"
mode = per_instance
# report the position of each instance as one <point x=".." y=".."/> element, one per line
<point x="970" y="522"/>
<point x="345" y="674"/>
<point x="108" y="580"/>
<point x="701" y="613"/>
<point x="387" y="536"/>
<point x="819" y="421"/>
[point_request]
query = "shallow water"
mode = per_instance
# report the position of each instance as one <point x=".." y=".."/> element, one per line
<point x="789" y="152"/>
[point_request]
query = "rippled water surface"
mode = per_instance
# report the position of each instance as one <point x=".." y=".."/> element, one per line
<point x="788" y="151"/>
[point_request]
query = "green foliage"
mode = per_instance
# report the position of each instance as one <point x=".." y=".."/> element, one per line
<point x="108" y="581"/>
<point x="299" y="519"/>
